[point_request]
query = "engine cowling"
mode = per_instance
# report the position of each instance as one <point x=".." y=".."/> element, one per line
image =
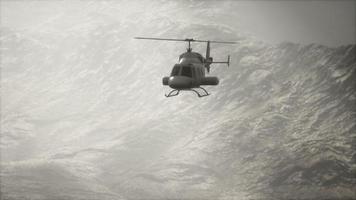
<point x="209" y="81"/>
<point x="165" y="80"/>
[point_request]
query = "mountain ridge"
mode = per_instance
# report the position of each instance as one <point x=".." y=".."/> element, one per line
<point x="83" y="114"/>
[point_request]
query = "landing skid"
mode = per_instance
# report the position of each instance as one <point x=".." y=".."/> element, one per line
<point x="172" y="94"/>
<point x="176" y="92"/>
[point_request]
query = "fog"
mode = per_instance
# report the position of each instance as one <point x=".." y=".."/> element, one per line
<point x="84" y="116"/>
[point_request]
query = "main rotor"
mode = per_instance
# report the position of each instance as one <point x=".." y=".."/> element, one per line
<point x="189" y="40"/>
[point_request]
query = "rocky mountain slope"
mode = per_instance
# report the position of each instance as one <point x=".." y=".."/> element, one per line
<point x="83" y="112"/>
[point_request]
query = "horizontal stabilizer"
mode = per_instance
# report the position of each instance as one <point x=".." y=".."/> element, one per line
<point x="225" y="62"/>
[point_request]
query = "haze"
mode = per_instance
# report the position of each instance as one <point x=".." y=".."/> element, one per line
<point x="84" y="116"/>
<point x="331" y="23"/>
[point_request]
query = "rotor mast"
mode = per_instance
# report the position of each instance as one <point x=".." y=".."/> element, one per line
<point x="189" y="48"/>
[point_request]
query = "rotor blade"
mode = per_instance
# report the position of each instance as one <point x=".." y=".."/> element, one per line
<point x="213" y="41"/>
<point x="167" y="39"/>
<point x="184" y="40"/>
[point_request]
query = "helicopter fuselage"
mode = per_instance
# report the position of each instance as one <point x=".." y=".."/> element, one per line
<point x="189" y="73"/>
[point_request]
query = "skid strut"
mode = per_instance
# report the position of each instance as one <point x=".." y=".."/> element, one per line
<point x="172" y="94"/>
<point x="176" y="92"/>
<point x="201" y="95"/>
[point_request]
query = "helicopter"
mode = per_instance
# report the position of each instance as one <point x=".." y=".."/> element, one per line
<point x="189" y="73"/>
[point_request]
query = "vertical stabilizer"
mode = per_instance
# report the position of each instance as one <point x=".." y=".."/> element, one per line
<point x="208" y="59"/>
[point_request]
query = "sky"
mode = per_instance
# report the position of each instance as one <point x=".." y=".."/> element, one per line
<point x="83" y="111"/>
<point x="326" y="22"/>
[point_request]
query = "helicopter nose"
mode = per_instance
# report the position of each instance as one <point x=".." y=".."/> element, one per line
<point x="180" y="82"/>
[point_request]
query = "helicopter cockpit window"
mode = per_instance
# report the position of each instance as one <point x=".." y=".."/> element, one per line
<point x="187" y="71"/>
<point x="175" y="71"/>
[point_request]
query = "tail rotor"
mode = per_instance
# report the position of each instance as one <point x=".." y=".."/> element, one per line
<point x="228" y="60"/>
<point x="208" y="59"/>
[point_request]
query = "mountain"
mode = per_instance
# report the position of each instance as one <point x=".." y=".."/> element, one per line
<point x="83" y="112"/>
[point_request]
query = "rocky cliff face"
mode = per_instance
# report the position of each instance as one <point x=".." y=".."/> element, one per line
<point x="83" y="115"/>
